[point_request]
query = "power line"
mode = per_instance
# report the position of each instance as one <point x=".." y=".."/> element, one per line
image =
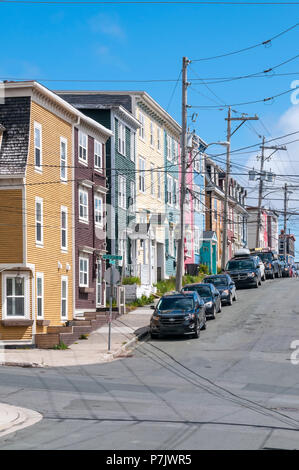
<point x="264" y="43"/>
<point x="161" y="2"/>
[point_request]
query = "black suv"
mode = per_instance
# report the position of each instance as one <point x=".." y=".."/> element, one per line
<point x="273" y="266"/>
<point x="178" y="314"/>
<point x="245" y="271"/>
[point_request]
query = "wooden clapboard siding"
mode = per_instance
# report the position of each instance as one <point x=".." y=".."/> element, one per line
<point x="11" y="226"/>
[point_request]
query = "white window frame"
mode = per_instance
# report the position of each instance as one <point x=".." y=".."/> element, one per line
<point x="169" y="190"/>
<point x="122" y="192"/>
<point x="98" y="155"/>
<point x="152" y="139"/>
<point x="121" y="138"/>
<point x="97" y="211"/>
<point x="26" y="296"/>
<point x="38" y="168"/>
<point x="64" y="317"/>
<point x="83" y="136"/>
<point x="168" y="148"/>
<point x="39" y="200"/>
<point x="152" y="180"/>
<point x="132" y="206"/>
<point x="85" y="259"/>
<point x="159" y="139"/>
<point x="159" y="186"/>
<point x="40" y="296"/>
<point x="83" y="218"/>
<point x="171" y="242"/>
<point x="196" y="240"/>
<point x="142" y="167"/>
<point x="142" y="126"/>
<point x="132" y="146"/>
<point x="63" y="210"/>
<point x="175" y="193"/>
<point x="63" y="161"/>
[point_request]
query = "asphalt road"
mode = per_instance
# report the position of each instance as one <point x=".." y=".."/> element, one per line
<point x="233" y="388"/>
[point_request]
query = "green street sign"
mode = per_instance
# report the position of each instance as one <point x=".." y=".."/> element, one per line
<point x="112" y="257"/>
<point x="112" y="261"/>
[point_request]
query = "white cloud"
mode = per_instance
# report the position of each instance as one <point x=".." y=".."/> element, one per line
<point x="107" y="25"/>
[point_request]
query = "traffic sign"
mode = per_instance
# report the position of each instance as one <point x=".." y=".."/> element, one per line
<point x="112" y="257"/>
<point x="112" y="275"/>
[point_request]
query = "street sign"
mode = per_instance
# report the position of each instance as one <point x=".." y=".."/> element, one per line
<point x="112" y="257"/>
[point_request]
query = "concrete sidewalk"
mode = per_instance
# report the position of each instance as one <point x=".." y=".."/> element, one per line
<point x="13" y="418"/>
<point x="126" y="331"/>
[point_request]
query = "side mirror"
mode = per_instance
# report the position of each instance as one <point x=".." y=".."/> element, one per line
<point x="152" y="307"/>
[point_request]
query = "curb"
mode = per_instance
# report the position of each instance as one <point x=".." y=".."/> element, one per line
<point x="21" y="364"/>
<point x="20" y="419"/>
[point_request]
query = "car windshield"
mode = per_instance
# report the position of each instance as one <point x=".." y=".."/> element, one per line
<point x="217" y="281"/>
<point x="265" y="256"/>
<point x="175" y="303"/>
<point x="240" y="264"/>
<point x="203" y="291"/>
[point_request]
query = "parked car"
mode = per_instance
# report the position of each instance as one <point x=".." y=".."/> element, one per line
<point x="178" y="314"/>
<point x="225" y="285"/>
<point x="285" y="269"/>
<point x="245" y="271"/>
<point x="273" y="267"/>
<point x="210" y="295"/>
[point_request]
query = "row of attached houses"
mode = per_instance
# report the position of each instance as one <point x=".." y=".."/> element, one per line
<point x="84" y="174"/>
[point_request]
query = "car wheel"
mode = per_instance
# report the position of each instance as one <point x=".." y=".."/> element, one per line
<point x="154" y="335"/>
<point x="235" y="298"/>
<point x="230" y="300"/>
<point x="220" y="307"/>
<point x="213" y="315"/>
<point x="197" y="331"/>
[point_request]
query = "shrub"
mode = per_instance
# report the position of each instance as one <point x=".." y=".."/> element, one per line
<point x="131" y="280"/>
<point x="61" y="345"/>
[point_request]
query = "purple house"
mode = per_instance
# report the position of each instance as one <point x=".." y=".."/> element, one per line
<point x="89" y="218"/>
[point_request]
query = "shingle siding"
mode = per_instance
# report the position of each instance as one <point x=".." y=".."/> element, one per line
<point x="15" y="117"/>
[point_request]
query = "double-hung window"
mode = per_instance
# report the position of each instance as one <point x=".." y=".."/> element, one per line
<point x="159" y="185"/>
<point x="63" y="159"/>
<point x="152" y="141"/>
<point x="141" y="175"/>
<point x="82" y="147"/>
<point x="64" y="297"/>
<point x="98" y="155"/>
<point x="152" y="180"/>
<point x="175" y="192"/>
<point x="158" y="138"/>
<point x="121" y="138"/>
<point x="132" y="195"/>
<point x="169" y="148"/>
<point x="141" y="128"/>
<point x="40" y="295"/>
<point x="122" y="192"/>
<point x="39" y="236"/>
<point x="83" y="271"/>
<point x="63" y="228"/>
<point x="83" y="205"/>
<point x="98" y="210"/>
<point x="169" y="190"/>
<point x="38" y="147"/>
<point x="15" y="298"/>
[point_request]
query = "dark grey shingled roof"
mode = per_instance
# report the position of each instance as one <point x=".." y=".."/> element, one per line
<point x="85" y="101"/>
<point x="15" y="118"/>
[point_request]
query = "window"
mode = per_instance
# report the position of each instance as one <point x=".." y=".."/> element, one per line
<point x="83" y="272"/>
<point x="40" y="295"/>
<point x="63" y="159"/>
<point x="83" y="205"/>
<point x="132" y="195"/>
<point x="132" y="147"/>
<point x="122" y="248"/>
<point x="168" y="148"/>
<point x="142" y="175"/>
<point x="63" y="228"/>
<point x="39" y="238"/>
<point x="121" y="138"/>
<point x="64" y="297"/>
<point x="159" y="185"/>
<point x="152" y="134"/>
<point x="98" y="155"/>
<point x="196" y="240"/>
<point x="141" y="128"/>
<point x="158" y="138"/>
<point x="82" y="147"/>
<point x="215" y="209"/>
<point x="188" y="245"/>
<point x="122" y="192"/>
<point x="152" y="180"/>
<point x="38" y="146"/>
<point x="169" y="190"/>
<point x="15" y="296"/>
<point x="175" y="192"/>
<point x="171" y="243"/>
<point x="98" y="211"/>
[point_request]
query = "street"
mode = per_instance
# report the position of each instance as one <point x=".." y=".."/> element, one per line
<point x="233" y="388"/>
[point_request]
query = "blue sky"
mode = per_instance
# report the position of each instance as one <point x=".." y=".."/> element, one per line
<point x="147" y="42"/>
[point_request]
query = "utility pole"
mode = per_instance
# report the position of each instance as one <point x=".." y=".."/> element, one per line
<point x="263" y="159"/>
<point x="285" y="221"/>
<point x="180" y="250"/>
<point x="243" y="119"/>
<point x="258" y="227"/>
